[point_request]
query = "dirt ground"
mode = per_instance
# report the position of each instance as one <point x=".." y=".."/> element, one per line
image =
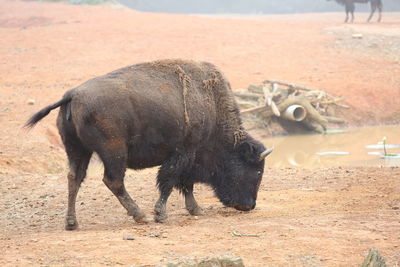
<point x="304" y="217"/>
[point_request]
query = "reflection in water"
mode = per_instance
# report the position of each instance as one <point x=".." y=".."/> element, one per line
<point x="348" y="148"/>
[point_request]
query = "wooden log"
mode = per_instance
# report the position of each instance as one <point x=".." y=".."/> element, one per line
<point x="321" y="95"/>
<point x="256" y="109"/>
<point x="267" y="96"/>
<point x="246" y="104"/>
<point x="246" y="95"/>
<point x="313" y="93"/>
<point x="288" y="85"/>
<point x="274" y="88"/>
<point x="326" y="102"/>
<point x="334" y="119"/>
<point x="341" y="106"/>
<point x="257" y="89"/>
<point x="275" y="109"/>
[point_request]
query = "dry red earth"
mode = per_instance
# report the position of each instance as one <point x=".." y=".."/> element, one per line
<point x="321" y="217"/>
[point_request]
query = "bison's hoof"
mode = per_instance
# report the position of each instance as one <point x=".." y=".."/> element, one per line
<point x="196" y="211"/>
<point x="141" y="219"/>
<point x="71" y="224"/>
<point x="160" y="218"/>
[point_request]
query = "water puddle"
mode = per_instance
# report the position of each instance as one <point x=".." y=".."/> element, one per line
<point x="351" y="147"/>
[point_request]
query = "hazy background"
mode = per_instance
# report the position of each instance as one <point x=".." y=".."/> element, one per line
<point x="247" y="6"/>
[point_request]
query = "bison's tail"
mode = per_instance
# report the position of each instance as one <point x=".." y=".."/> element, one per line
<point x="45" y="111"/>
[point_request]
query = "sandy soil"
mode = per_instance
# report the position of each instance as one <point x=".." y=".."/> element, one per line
<point x="321" y="217"/>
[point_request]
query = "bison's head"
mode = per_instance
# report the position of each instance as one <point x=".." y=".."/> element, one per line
<point x="238" y="182"/>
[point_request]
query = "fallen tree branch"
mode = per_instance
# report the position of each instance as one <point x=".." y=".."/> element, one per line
<point x="309" y="108"/>
<point x="256" y="109"/>
<point x="288" y="85"/>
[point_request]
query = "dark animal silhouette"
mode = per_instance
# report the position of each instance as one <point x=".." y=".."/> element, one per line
<point x="179" y="114"/>
<point x="350" y="7"/>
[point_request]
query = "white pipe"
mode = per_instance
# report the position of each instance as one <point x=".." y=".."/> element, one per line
<point x="295" y="113"/>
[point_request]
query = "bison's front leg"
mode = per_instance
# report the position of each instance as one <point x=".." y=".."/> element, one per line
<point x="160" y="209"/>
<point x="170" y="176"/>
<point x="190" y="201"/>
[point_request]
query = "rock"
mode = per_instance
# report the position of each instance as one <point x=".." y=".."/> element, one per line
<point x="373" y="259"/>
<point x="231" y="262"/>
<point x="31" y="102"/>
<point x="357" y="36"/>
<point x="213" y="262"/>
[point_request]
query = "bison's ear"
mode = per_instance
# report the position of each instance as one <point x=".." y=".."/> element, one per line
<point x="249" y="152"/>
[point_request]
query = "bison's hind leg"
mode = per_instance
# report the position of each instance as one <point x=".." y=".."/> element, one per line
<point x="114" y="171"/>
<point x="78" y="158"/>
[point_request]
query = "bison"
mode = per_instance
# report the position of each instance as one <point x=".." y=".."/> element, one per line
<point x="176" y="114"/>
<point x="349" y="6"/>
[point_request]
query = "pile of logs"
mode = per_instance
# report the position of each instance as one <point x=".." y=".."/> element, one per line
<point x="290" y="105"/>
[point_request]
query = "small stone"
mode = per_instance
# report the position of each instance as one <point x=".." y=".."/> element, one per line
<point x="31" y="102"/>
<point x="373" y="259"/>
<point x="357" y="36"/>
<point x="128" y="238"/>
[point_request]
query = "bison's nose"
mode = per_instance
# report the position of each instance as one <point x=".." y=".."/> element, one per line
<point x="246" y="207"/>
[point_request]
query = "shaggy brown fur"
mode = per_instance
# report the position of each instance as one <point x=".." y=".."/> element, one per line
<point x="179" y="114"/>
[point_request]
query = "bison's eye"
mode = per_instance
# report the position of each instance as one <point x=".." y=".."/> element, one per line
<point x="259" y="172"/>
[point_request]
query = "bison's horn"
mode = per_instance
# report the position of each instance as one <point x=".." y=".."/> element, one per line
<point x="266" y="153"/>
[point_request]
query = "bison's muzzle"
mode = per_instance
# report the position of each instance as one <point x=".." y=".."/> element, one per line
<point x="245" y="207"/>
